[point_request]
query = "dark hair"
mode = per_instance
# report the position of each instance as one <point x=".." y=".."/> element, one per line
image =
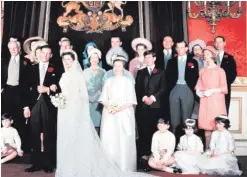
<point x="194" y="127"/>
<point x="221" y="37"/>
<point x="222" y="120"/>
<point x="116" y="37"/>
<point x="141" y="45"/>
<point x="194" y="47"/>
<point x="186" y="44"/>
<point x="163" y="121"/>
<point x="70" y="54"/>
<point x="6" y="116"/>
<point x="148" y="52"/>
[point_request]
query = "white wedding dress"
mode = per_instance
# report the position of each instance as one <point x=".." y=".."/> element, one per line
<point x="79" y="150"/>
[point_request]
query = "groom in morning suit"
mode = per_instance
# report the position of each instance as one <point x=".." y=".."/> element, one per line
<point x="43" y="114"/>
<point x="150" y="87"/>
<point x="182" y="74"/>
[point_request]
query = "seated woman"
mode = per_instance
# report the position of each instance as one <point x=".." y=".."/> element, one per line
<point x="221" y="159"/>
<point x="163" y="146"/>
<point x="10" y="140"/>
<point x="93" y="76"/>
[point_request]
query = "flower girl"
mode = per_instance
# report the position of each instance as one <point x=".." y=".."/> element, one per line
<point x="220" y="160"/>
<point x="190" y="148"/>
<point x="10" y="140"/>
<point x="163" y="145"/>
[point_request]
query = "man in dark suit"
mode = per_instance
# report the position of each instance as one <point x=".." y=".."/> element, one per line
<point x="43" y="113"/>
<point x="182" y="74"/>
<point x="15" y="86"/>
<point x="228" y="63"/>
<point x="150" y="87"/>
<point x="166" y="54"/>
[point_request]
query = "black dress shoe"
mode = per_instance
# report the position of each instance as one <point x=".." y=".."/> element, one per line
<point x="32" y="169"/>
<point x="48" y="169"/>
<point x="147" y="169"/>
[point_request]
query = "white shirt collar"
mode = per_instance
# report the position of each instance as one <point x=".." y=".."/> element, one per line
<point x="17" y="58"/>
<point x="184" y="57"/>
<point x="165" y="51"/>
<point x="151" y="67"/>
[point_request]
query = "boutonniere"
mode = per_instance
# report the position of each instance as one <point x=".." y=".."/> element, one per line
<point x="190" y="64"/>
<point x="154" y="70"/>
<point x="25" y="63"/>
<point x="225" y="56"/>
<point x="175" y="55"/>
<point x="50" y="69"/>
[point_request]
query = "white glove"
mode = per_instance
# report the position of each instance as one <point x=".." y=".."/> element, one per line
<point x="199" y="93"/>
<point x="216" y="90"/>
<point x="208" y="92"/>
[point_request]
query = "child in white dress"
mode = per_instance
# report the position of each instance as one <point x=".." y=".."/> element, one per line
<point x="163" y="145"/>
<point x="10" y="140"/>
<point x="220" y="160"/>
<point x="190" y="148"/>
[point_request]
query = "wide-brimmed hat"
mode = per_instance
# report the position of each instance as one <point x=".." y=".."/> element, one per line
<point x="95" y="51"/>
<point x="36" y="45"/>
<point x="199" y="42"/>
<point x="211" y="49"/>
<point x="113" y="52"/>
<point x="143" y="41"/>
<point x="29" y="44"/>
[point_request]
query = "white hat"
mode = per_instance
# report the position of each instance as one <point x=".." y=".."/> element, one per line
<point x="199" y="42"/>
<point x="113" y="52"/>
<point x="63" y="39"/>
<point x="95" y="51"/>
<point x="119" y="57"/>
<point x="143" y="41"/>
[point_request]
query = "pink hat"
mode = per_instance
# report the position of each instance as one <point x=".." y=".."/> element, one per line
<point x="140" y="40"/>
<point x="211" y="49"/>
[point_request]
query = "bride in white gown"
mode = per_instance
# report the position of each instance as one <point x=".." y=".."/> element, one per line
<point x="79" y="150"/>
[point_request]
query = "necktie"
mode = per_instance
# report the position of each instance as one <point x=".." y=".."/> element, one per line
<point x="218" y="60"/>
<point x="150" y="71"/>
<point x="43" y="71"/>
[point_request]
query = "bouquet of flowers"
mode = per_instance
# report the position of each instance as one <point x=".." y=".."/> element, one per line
<point x="113" y="108"/>
<point x="59" y="100"/>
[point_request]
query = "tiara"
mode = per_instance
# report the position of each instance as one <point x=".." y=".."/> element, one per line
<point x="190" y="122"/>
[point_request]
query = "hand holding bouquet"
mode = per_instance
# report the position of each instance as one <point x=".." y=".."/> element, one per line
<point x="59" y="100"/>
<point x="113" y="108"/>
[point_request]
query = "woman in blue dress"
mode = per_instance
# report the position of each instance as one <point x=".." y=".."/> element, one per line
<point x="93" y="76"/>
<point x="90" y="46"/>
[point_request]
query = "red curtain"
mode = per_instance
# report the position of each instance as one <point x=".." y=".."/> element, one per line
<point x="234" y="30"/>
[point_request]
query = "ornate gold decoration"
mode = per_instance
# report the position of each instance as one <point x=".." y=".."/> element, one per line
<point x="94" y="20"/>
<point x="2" y="9"/>
<point x="240" y="81"/>
<point x="213" y="11"/>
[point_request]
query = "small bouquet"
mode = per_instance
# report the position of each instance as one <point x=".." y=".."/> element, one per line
<point x="113" y="108"/>
<point x="59" y="100"/>
<point x="208" y="154"/>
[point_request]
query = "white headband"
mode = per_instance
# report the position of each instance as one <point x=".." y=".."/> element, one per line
<point x="190" y="122"/>
<point x="223" y="117"/>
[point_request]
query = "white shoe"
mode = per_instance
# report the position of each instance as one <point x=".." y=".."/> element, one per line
<point x="169" y="170"/>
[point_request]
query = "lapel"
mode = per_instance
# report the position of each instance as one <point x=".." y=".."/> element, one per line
<point x="36" y="71"/>
<point x="149" y="76"/>
<point x="47" y="74"/>
<point x="176" y="68"/>
<point x="224" y="59"/>
<point x="22" y="65"/>
<point x="7" y="67"/>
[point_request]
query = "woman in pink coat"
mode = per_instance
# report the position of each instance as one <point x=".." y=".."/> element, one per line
<point x="139" y="45"/>
<point x="211" y="87"/>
